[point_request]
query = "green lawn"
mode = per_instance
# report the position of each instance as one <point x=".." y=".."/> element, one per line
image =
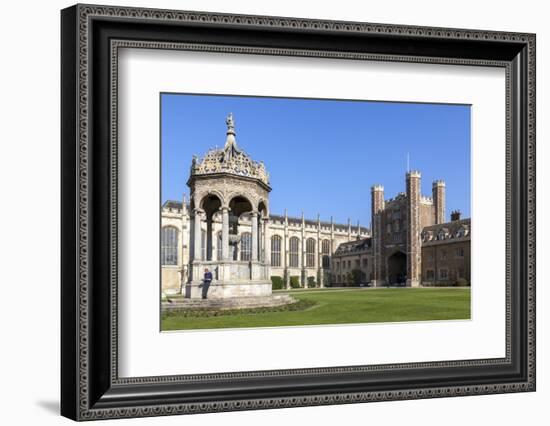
<point x="344" y="306"/>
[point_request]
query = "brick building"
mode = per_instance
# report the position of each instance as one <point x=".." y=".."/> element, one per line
<point x="446" y="251"/>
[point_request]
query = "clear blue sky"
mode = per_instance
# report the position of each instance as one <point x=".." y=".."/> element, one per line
<point x="323" y="155"/>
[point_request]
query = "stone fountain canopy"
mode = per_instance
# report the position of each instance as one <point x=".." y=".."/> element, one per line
<point x="230" y="160"/>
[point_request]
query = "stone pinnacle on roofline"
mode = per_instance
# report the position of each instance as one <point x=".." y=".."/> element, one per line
<point x="230" y="140"/>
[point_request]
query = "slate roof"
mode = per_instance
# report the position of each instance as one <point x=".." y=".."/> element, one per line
<point x="172" y="204"/>
<point x="352" y="247"/>
<point x="457" y="230"/>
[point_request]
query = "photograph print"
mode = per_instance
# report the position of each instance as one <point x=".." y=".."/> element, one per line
<point x="279" y="212"/>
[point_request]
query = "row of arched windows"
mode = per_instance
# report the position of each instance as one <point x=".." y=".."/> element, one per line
<point x="294" y="252"/>
<point x="169" y="249"/>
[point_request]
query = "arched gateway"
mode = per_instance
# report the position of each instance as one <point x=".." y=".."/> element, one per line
<point x="397" y="268"/>
<point x="227" y="184"/>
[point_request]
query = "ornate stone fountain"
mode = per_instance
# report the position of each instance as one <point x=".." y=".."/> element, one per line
<point x="228" y="183"/>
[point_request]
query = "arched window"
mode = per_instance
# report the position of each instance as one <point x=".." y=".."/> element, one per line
<point x="219" y="246"/>
<point x="169" y="246"/>
<point x="310" y="253"/>
<point x="294" y="252"/>
<point x="203" y="244"/>
<point x="275" y="250"/>
<point x="246" y="246"/>
<point x="325" y="250"/>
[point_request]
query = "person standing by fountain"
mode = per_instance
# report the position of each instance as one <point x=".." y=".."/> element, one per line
<point x="206" y="282"/>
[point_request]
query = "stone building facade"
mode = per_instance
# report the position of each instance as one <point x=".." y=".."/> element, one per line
<point x="298" y="246"/>
<point x="226" y="226"/>
<point x="352" y="263"/>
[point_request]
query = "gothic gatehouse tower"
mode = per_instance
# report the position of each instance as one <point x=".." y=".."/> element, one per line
<point x="397" y="225"/>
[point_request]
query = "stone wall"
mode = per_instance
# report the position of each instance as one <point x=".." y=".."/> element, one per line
<point x="171" y="279"/>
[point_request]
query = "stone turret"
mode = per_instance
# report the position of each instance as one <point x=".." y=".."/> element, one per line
<point x="438" y="195"/>
<point x="413" y="229"/>
<point x="377" y="207"/>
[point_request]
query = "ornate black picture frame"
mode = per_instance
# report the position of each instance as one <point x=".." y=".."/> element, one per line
<point x="91" y="388"/>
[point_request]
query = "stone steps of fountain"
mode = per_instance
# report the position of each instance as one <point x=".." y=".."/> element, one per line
<point x="230" y="303"/>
